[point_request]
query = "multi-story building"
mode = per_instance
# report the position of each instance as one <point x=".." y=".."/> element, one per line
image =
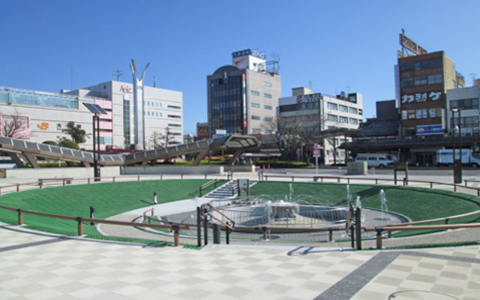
<point x="243" y="97"/>
<point x="463" y="110"/>
<point x="423" y="81"/>
<point x="44" y="115"/>
<point x="321" y="113"/>
<point x="161" y="109"/>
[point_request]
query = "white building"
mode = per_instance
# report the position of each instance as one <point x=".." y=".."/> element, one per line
<point x="325" y="112"/>
<point x="45" y="115"/>
<point x="465" y="102"/>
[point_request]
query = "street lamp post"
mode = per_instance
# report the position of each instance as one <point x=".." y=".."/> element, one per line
<point x="96" y="110"/>
<point x="457" y="163"/>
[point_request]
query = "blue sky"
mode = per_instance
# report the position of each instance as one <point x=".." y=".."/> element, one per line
<point x="332" y="46"/>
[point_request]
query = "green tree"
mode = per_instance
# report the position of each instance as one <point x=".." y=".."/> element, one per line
<point x="77" y="134"/>
<point x="68" y="144"/>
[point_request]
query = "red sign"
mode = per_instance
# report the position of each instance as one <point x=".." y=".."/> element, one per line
<point x="316" y="153"/>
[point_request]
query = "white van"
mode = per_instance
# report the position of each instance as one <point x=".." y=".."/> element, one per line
<point x="375" y="160"/>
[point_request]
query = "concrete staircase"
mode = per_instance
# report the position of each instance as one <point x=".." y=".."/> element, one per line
<point x="227" y="191"/>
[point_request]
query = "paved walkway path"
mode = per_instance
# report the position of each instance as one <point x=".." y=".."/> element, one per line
<point x="44" y="266"/>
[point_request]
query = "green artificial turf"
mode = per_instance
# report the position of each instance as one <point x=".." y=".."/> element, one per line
<point x="108" y="199"/>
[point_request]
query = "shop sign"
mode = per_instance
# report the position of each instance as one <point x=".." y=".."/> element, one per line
<point x="422" y="97"/>
<point x="429" y="129"/>
<point x="126" y="89"/>
<point x="309" y="98"/>
<point x="43" y="126"/>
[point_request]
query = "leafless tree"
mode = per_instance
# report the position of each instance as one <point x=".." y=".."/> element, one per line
<point x="160" y="140"/>
<point x="295" y="132"/>
<point x="15" y="126"/>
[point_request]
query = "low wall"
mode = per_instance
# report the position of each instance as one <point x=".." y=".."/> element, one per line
<point x="57" y="172"/>
<point x="172" y="170"/>
<point x="357" y="168"/>
<point x="240" y="168"/>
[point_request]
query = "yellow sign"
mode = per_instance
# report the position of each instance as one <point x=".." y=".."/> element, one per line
<point x="43" y="126"/>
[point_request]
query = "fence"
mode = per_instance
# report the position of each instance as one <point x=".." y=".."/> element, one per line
<point x="263" y="230"/>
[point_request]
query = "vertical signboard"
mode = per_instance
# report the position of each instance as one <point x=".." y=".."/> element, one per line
<point x="244" y="96"/>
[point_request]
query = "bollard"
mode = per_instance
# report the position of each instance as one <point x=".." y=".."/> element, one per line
<point x="358" y="227"/>
<point x="176" y="235"/>
<point x="330" y="235"/>
<point x="265" y="236"/>
<point x="389" y="234"/>
<point x="155" y="198"/>
<point x="80" y="226"/>
<point x="216" y="233"/>
<point x="379" y="238"/>
<point x="20" y="217"/>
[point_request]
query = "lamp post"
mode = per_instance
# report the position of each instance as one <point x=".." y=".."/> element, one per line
<point x="457" y="163"/>
<point x="96" y="110"/>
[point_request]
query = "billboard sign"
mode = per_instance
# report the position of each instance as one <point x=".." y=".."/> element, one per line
<point x="309" y="98"/>
<point x="429" y="129"/>
<point x="411" y="45"/>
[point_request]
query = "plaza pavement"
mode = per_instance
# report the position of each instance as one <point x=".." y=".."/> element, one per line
<point x="43" y="266"/>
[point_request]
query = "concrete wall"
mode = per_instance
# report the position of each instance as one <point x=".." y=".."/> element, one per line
<point x="57" y="172"/>
<point x="173" y="170"/>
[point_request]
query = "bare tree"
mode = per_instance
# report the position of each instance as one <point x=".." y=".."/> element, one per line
<point x="160" y="140"/>
<point x="295" y="132"/>
<point x="15" y="126"/>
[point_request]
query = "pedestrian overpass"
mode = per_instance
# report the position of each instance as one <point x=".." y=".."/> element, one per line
<point x="23" y="151"/>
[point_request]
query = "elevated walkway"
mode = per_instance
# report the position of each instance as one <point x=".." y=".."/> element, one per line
<point x="22" y="151"/>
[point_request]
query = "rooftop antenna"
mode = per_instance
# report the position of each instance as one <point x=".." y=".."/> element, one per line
<point x="473" y="76"/>
<point x="154" y="81"/>
<point x="310" y="85"/>
<point x="117" y="73"/>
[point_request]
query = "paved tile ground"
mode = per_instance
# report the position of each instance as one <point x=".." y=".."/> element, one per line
<point x="40" y="266"/>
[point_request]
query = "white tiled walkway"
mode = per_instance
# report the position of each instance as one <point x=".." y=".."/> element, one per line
<point x="38" y="266"/>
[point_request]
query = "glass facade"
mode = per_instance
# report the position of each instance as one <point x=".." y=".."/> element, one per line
<point x="126" y="121"/>
<point x="33" y="98"/>
<point x="226" y="105"/>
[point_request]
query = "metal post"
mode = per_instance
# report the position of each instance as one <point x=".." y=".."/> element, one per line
<point x="227" y="235"/>
<point x="155" y="198"/>
<point x="205" y="229"/>
<point x="199" y="227"/>
<point x="92" y="211"/>
<point x="80" y="226"/>
<point x="358" y="228"/>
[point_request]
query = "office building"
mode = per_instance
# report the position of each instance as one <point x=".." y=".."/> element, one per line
<point x="243" y="97"/>
<point x="320" y="113"/>
<point x="463" y="111"/>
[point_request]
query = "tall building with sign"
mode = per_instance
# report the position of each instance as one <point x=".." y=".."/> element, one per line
<point x="319" y="113"/>
<point x="243" y="97"/>
<point x="422" y="83"/>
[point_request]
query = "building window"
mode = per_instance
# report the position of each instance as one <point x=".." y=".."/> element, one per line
<point x="174" y="125"/>
<point x="353" y="121"/>
<point x="332" y="118"/>
<point x="343" y="119"/>
<point x="343" y="108"/>
<point x="332" y="106"/>
<point x="267" y="95"/>
<point x="255" y="105"/>
<point x="256" y="130"/>
<point x="352" y="110"/>
<point x="266" y="83"/>
<point x="255" y="93"/>
<point x="269" y="107"/>
<point x="174" y="107"/>
<point x="255" y="117"/>
<point x="268" y="119"/>
<point x="174" y="116"/>
<point x="465" y="104"/>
